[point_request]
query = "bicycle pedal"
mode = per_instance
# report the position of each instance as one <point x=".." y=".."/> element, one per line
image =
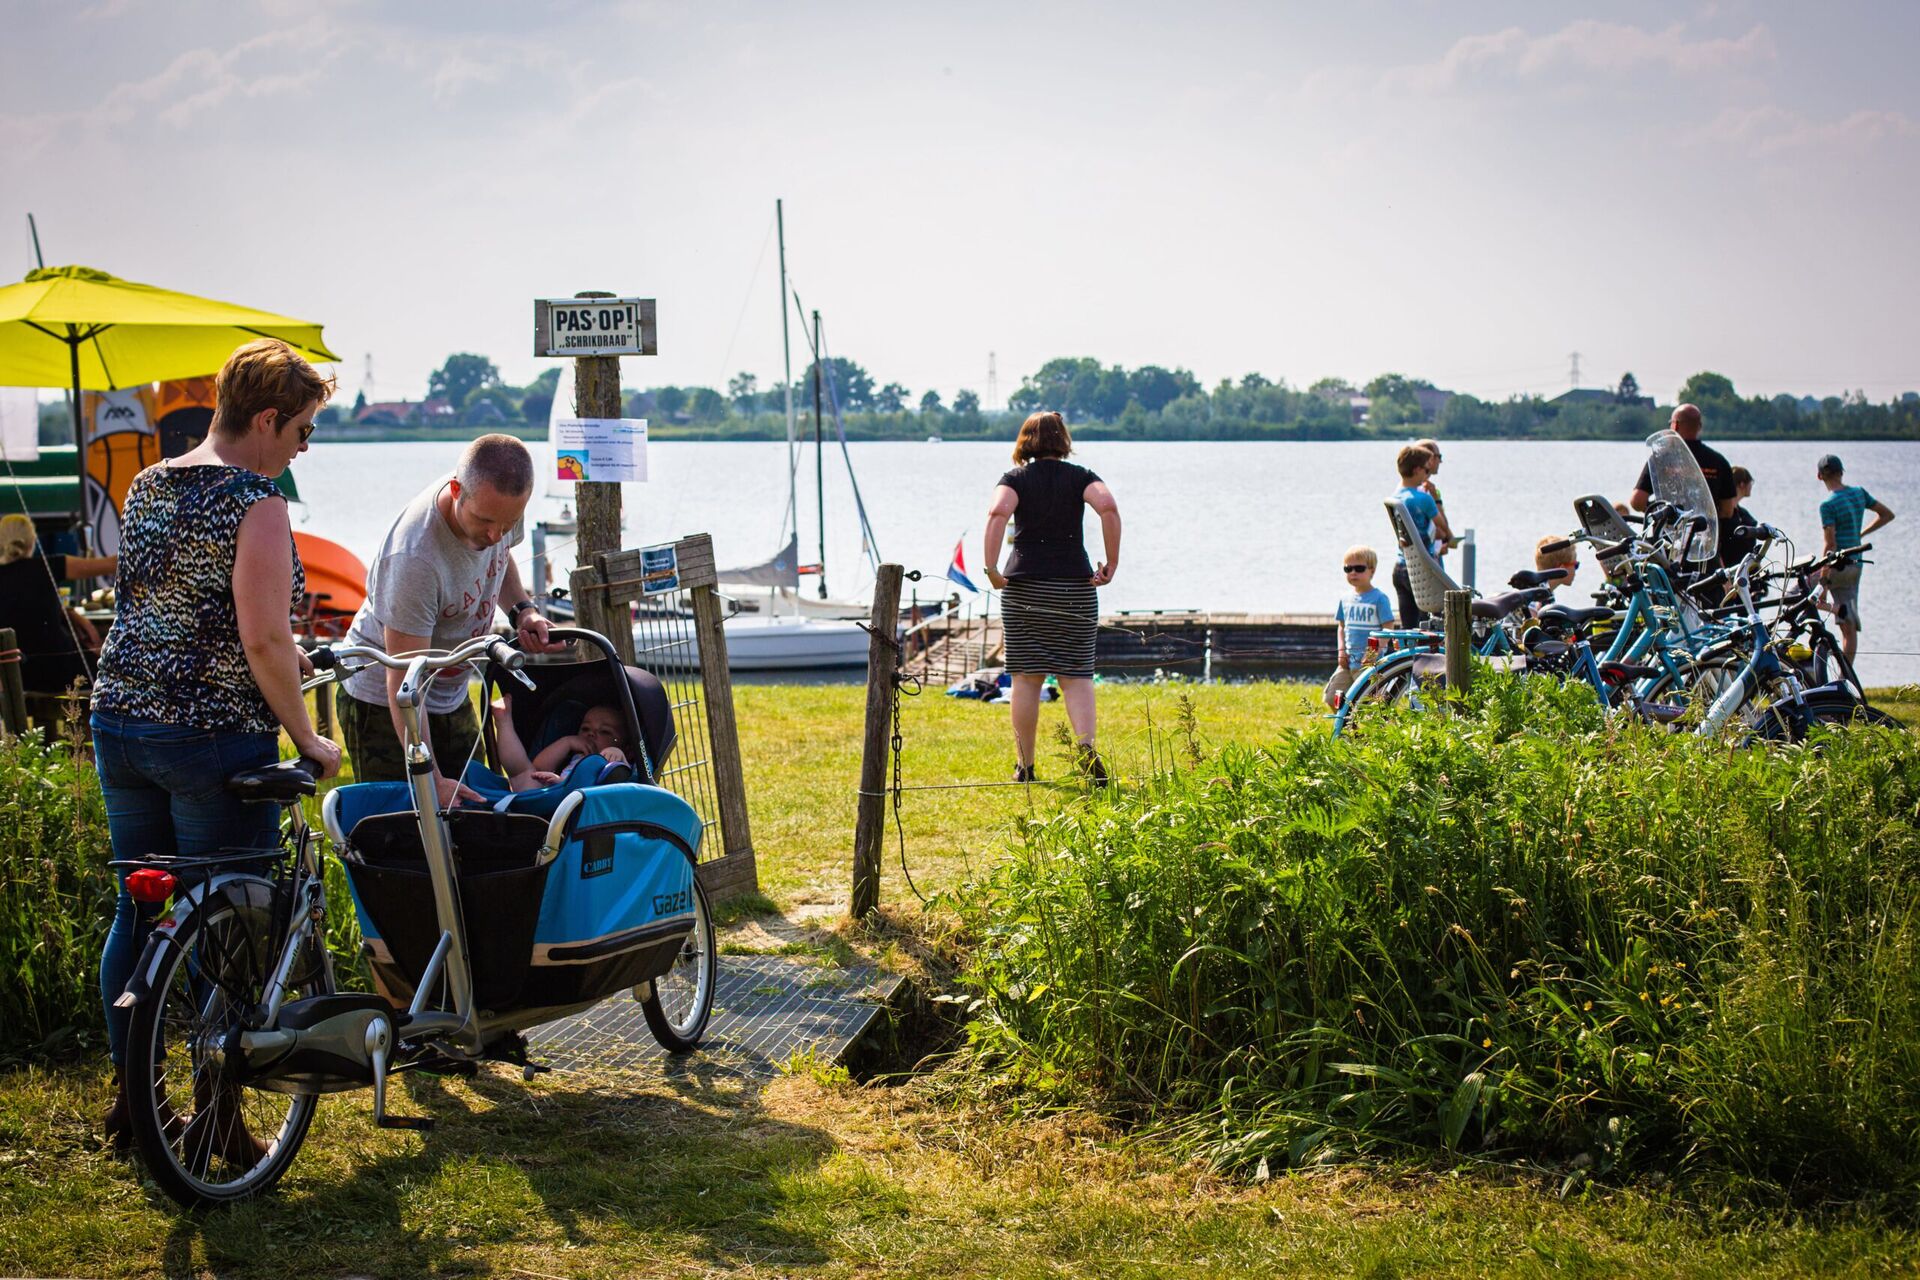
<point x="419" y="1124"/>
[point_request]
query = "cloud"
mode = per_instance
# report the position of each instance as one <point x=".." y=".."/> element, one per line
<point x="194" y="82"/>
<point x="1585" y="46"/>
<point x="1772" y="130"/>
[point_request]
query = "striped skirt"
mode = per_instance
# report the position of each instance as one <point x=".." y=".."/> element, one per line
<point x="1049" y="625"/>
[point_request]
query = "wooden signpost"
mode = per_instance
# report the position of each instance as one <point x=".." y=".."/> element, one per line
<point x="596" y="329"/>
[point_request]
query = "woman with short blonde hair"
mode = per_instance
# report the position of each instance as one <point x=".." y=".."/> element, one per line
<point x="200" y="673"/>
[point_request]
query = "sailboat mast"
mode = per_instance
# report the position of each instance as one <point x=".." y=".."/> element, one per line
<point x="819" y="454"/>
<point x="786" y="370"/>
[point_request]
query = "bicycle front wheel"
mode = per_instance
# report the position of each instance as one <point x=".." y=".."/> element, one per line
<point x="205" y="1137"/>
<point x="678" y="1002"/>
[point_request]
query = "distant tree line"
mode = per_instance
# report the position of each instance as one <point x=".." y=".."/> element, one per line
<point x="1153" y="402"/>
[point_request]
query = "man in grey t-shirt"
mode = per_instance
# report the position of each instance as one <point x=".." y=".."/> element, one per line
<point x="444" y="568"/>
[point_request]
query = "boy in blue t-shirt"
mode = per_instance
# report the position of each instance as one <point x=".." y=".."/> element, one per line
<point x="1415" y="465"/>
<point x="1840" y="528"/>
<point x="1359" y="614"/>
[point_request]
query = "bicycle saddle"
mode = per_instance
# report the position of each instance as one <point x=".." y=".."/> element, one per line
<point x="1537" y="577"/>
<point x="1561" y="616"/>
<point x="281" y="783"/>
<point x="1508" y="602"/>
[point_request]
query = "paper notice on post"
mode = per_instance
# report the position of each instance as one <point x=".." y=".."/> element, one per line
<point x="600" y="449"/>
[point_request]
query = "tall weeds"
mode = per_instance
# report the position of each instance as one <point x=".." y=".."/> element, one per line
<point x="1513" y="930"/>
<point x="56" y="899"/>
<point x="57" y="896"/>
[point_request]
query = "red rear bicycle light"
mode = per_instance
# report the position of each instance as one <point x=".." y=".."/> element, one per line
<point x="150" y="884"/>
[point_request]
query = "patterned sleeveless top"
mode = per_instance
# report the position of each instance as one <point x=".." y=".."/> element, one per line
<point x="173" y="655"/>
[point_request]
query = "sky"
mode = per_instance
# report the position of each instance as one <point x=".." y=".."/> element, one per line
<point x="1468" y="193"/>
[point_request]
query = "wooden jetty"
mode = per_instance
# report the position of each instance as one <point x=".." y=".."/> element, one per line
<point x="1195" y="643"/>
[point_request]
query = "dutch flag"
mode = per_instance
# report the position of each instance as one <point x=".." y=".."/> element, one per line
<point x="957" y="571"/>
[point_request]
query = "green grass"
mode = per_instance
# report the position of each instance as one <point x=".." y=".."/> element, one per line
<point x="812" y="1177"/>
<point x="694" y="1174"/>
<point x="801" y="750"/>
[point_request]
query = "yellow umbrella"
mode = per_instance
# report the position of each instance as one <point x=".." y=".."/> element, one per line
<point x="84" y="329"/>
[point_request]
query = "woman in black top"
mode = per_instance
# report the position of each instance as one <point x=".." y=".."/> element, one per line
<point x="56" y="647"/>
<point x="1049" y="610"/>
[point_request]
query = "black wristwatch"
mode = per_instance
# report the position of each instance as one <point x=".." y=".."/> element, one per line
<point x="514" y="612"/>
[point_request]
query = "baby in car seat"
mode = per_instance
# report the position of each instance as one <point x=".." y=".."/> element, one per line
<point x="602" y="732"/>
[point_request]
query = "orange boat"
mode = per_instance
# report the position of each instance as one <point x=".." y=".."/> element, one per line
<point x="336" y="583"/>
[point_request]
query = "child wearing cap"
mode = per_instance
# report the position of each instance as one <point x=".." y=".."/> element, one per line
<point x="1840" y="517"/>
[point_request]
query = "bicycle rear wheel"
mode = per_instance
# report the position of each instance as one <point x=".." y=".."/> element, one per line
<point x="206" y="1137"/>
<point x="1384" y="688"/>
<point x="679" y="1002"/>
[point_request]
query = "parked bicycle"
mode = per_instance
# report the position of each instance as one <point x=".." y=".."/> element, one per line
<point x="480" y="923"/>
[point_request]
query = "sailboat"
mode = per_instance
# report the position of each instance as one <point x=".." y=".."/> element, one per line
<point x="777" y="627"/>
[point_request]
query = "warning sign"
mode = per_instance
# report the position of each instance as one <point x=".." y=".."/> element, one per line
<point x="594" y="327"/>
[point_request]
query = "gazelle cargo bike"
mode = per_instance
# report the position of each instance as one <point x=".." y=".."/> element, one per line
<point x="477" y="923"/>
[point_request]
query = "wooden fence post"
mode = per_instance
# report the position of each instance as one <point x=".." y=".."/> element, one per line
<point x="883" y="662"/>
<point x="13" y="696"/>
<point x="723" y="736"/>
<point x="1458" y="617"/>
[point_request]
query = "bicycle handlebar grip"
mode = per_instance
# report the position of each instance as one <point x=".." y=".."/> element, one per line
<point x="1556" y="547"/>
<point x="1615" y="549"/>
<point x="323" y="657"/>
<point x="507" y="656"/>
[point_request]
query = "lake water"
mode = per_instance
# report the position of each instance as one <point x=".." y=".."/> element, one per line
<point x="1212" y="525"/>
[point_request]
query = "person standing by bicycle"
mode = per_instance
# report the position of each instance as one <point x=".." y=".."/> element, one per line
<point x="1415" y="465"/>
<point x="444" y="568"/>
<point x="1714" y="467"/>
<point x="1734" y="545"/>
<point x="200" y="673"/>
<point x="1441" y="545"/>
<point x="1840" y="528"/>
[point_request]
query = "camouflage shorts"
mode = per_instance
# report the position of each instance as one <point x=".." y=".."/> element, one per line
<point x="367" y="730"/>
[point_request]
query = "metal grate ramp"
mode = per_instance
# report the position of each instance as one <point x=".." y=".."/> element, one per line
<point x="765" y="1009"/>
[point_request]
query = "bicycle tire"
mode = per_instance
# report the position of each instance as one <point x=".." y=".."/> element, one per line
<point x="678" y="1019"/>
<point x="1389" y="692"/>
<point x="1702" y="682"/>
<point x="215" y="974"/>
<point x="1837" y="715"/>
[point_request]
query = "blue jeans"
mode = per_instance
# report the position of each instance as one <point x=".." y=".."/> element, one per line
<point x="165" y="787"/>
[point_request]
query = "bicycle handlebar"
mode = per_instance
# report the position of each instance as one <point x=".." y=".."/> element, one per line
<point x="329" y="658"/>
